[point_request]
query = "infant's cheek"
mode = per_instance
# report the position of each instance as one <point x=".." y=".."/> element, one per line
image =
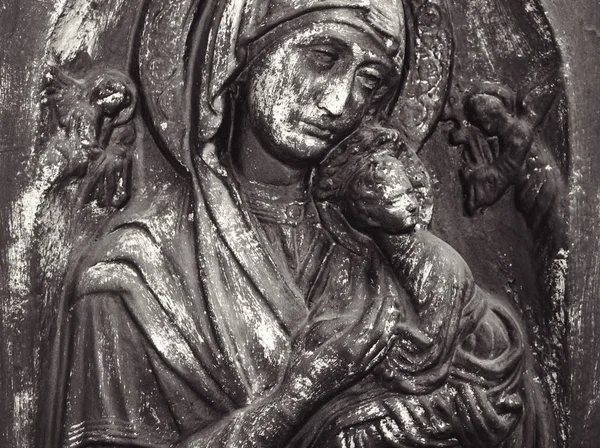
<point x="361" y="201"/>
<point x="364" y="212"/>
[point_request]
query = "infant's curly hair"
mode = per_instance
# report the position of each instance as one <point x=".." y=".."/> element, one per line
<point x="348" y="158"/>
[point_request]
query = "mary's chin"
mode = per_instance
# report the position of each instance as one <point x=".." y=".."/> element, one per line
<point x="301" y="148"/>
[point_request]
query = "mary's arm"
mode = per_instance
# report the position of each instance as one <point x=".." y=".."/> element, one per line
<point x="117" y="384"/>
<point x="313" y="377"/>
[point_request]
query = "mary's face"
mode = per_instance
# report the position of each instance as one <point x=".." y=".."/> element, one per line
<point x="313" y="88"/>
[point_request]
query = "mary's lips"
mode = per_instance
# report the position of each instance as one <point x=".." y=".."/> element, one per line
<point x="316" y="130"/>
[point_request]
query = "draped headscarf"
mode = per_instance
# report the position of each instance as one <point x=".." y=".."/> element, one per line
<point x="242" y="29"/>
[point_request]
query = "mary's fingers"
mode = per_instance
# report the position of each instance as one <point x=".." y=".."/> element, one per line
<point x="375" y="356"/>
<point x="466" y="426"/>
<point x="484" y="418"/>
<point x="512" y="403"/>
<point x="390" y="433"/>
<point x="442" y="406"/>
<point x="497" y="422"/>
<point x="440" y="427"/>
<point x="426" y="424"/>
<point x="418" y="416"/>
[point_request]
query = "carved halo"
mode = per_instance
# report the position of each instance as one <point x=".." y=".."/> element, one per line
<point x="428" y="62"/>
<point x="172" y="34"/>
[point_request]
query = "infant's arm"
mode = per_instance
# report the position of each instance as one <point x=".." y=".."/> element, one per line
<point x="428" y="268"/>
<point x="441" y="287"/>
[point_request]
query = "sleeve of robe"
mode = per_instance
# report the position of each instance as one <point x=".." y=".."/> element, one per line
<point x="114" y="396"/>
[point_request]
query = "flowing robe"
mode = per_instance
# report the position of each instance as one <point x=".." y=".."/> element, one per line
<point x="180" y="317"/>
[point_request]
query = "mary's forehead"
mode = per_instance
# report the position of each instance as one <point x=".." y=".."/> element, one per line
<point x="341" y="36"/>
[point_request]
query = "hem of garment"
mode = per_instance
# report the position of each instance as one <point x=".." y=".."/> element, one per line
<point x="113" y="431"/>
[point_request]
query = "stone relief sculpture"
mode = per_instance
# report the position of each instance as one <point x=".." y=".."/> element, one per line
<point x="234" y="243"/>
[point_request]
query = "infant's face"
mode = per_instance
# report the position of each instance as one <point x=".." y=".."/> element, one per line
<point x="383" y="196"/>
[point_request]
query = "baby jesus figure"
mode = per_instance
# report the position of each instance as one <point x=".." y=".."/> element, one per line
<point x="455" y="374"/>
<point x="374" y="188"/>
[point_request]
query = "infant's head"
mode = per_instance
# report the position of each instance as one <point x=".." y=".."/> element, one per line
<point x="366" y="177"/>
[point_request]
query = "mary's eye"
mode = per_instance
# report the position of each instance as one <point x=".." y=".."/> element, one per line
<point x="322" y="56"/>
<point x="369" y="77"/>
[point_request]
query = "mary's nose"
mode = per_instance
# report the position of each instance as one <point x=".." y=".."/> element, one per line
<point x="335" y="97"/>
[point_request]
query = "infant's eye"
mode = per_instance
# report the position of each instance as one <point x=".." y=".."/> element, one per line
<point x="369" y="77"/>
<point x="322" y="56"/>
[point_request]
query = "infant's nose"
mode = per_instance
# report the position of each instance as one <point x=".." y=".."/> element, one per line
<point x="412" y="208"/>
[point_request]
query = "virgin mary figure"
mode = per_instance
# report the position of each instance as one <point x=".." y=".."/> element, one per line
<point x="184" y="317"/>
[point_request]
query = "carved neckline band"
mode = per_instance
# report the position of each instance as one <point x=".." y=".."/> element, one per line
<point x="281" y="204"/>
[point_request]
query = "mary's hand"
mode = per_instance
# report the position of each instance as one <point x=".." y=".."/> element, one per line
<point x="346" y="357"/>
<point x="482" y="418"/>
<point x="404" y="420"/>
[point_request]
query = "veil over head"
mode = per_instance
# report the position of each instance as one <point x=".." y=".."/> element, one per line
<point x="191" y="50"/>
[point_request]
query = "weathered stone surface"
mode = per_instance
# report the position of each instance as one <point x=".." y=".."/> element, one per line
<point x="95" y="125"/>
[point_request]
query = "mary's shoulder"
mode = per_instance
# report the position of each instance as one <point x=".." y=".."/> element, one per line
<point x="140" y="235"/>
<point x="155" y="218"/>
<point x="164" y="211"/>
